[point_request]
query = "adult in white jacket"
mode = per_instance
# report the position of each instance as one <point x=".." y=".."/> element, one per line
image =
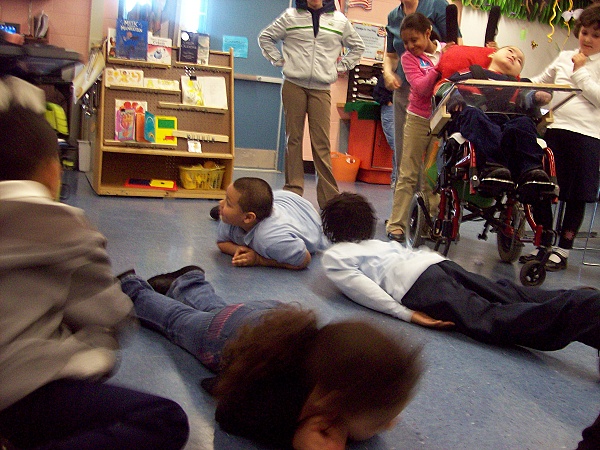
<point x="312" y="37"/>
<point x="423" y="287"/>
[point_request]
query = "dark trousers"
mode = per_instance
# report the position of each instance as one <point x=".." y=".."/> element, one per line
<point x="503" y="313"/>
<point x="511" y="143"/>
<point x="591" y="437"/>
<point x="78" y="414"/>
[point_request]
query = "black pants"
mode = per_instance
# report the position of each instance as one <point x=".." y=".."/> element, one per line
<point x="503" y="313"/>
<point x="591" y="437"/>
<point x="77" y="414"/>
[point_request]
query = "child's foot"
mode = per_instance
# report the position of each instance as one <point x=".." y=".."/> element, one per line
<point x="534" y="185"/>
<point x="162" y="283"/>
<point x="397" y="235"/>
<point x="558" y="260"/>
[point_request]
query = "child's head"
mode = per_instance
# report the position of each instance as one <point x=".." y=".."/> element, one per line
<point x="417" y="34"/>
<point x="357" y="377"/>
<point x="248" y="200"/>
<point x="348" y="217"/>
<point x="587" y="30"/>
<point x="508" y="60"/>
<point x="28" y="144"/>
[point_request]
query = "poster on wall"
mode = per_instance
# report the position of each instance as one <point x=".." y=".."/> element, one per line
<point x="373" y="36"/>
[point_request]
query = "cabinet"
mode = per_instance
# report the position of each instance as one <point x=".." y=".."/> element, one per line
<point x="114" y="162"/>
<point x="361" y="81"/>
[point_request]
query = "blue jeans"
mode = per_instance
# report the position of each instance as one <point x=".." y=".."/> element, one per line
<point x="387" y="123"/>
<point x="191" y="314"/>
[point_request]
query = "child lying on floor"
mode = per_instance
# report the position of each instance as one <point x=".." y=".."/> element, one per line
<point x="423" y="287"/>
<point x="282" y="380"/>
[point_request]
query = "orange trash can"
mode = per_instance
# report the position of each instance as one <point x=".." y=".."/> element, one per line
<point x="344" y="167"/>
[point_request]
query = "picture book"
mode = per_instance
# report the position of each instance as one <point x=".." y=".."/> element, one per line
<point x="203" y="48"/>
<point x="128" y="115"/>
<point x="158" y="83"/>
<point x="123" y="77"/>
<point x="204" y="91"/>
<point x="164" y="129"/>
<point x="188" y="47"/>
<point x="159" y="49"/>
<point x="111" y="43"/>
<point x="149" y="127"/>
<point x="131" y="39"/>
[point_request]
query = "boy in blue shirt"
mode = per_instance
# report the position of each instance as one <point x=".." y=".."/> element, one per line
<point x="262" y="228"/>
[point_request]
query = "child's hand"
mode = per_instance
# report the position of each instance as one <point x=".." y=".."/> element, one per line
<point x="392" y="81"/>
<point x="424" y="320"/>
<point x="317" y="433"/>
<point x="491" y="44"/>
<point x="244" y="257"/>
<point x="579" y="60"/>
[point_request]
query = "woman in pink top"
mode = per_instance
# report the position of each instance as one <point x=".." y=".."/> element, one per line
<point x="419" y="63"/>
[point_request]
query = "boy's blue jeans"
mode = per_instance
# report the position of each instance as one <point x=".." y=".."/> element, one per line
<point x="191" y="314"/>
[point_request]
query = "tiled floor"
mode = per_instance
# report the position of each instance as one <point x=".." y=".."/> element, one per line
<point x="472" y="396"/>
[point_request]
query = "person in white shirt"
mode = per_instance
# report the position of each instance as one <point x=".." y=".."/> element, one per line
<point x="574" y="138"/>
<point x="425" y="288"/>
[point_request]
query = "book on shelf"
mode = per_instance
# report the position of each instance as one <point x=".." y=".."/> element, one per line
<point x="159" y="49"/>
<point x="123" y="77"/>
<point x="204" y="91"/>
<point x="188" y="47"/>
<point x="111" y="43"/>
<point x="158" y="83"/>
<point x="129" y="120"/>
<point x="203" y="48"/>
<point x="132" y="39"/>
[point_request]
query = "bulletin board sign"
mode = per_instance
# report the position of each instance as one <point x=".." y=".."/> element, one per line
<point x="373" y="36"/>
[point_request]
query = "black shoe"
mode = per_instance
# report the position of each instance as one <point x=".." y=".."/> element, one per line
<point x="215" y="212"/>
<point x="162" y="283"/>
<point x="494" y="180"/>
<point x="535" y="185"/>
<point x="538" y="254"/>
<point x="126" y="273"/>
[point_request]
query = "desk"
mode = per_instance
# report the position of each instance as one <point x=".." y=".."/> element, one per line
<point x="367" y="142"/>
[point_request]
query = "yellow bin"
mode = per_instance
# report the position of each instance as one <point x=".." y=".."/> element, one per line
<point x="344" y="167"/>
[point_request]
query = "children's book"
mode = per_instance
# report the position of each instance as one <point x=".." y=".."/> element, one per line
<point x="131" y="39"/>
<point x="204" y="91"/>
<point x="165" y="125"/>
<point x="203" y="48"/>
<point x="123" y="77"/>
<point x="188" y="47"/>
<point x="149" y="127"/>
<point x="129" y="120"/>
<point x="159" y="49"/>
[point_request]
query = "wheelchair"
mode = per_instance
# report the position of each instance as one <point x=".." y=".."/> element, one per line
<point x="503" y="209"/>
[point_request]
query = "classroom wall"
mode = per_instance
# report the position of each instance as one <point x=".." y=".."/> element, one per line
<point x="70" y="28"/>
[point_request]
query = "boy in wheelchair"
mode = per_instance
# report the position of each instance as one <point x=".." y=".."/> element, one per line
<point x="500" y="123"/>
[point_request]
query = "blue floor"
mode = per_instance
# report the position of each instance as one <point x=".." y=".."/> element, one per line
<point x="472" y="396"/>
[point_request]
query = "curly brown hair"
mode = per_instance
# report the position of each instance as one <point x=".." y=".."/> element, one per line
<point x="366" y="367"/>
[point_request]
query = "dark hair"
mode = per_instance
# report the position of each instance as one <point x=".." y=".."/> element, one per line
<point x="590" y="17"/>
<point x="27" y="142"/>
<point x="420" y="23"/>
<point x="369" y="369"/>
<point x="366" y="368"/>
<point x="255" y="196"/>
<point x="348" y="217"/>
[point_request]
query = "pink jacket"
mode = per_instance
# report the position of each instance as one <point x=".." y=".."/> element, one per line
<point x="422" y="76"/>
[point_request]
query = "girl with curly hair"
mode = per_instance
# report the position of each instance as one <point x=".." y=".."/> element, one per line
<point x="282" y="378"/>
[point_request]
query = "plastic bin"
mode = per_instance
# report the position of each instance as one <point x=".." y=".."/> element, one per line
<point x="344" y="167"/>
<point x="198" y="177"/>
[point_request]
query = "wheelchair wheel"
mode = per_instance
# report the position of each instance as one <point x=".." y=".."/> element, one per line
<point x="417" y="225"/>
<point x="510" y="246"/>
<point x="533" y="273"/>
